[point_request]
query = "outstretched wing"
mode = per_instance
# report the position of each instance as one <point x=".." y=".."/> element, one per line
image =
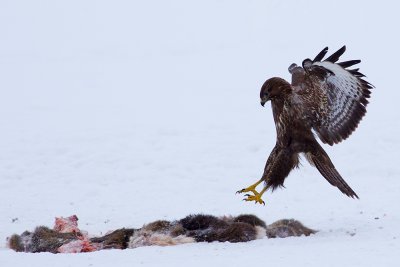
<point x="334" y="96"/>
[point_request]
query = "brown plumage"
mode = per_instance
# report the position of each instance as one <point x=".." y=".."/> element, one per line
<point x="324" y="97"/>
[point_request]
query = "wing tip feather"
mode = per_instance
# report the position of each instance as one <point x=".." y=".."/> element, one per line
<point x="335" y="56"/>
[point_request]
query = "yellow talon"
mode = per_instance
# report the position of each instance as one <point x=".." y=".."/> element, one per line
<point x="251" y="188"/>
<point x="256" y="197"/>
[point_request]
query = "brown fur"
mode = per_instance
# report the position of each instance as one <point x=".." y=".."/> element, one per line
<point x="193" y="228"/>
<point x="158" y="226"/>
<point x="285" y="228"/>
<point x="42" y="239"/>
<point x="250" y="219"/>
<point x="117" y="239"/>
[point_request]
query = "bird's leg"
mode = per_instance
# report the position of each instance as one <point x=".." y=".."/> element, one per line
<point x="251" y="188"/>
<point x="257" y="196"/>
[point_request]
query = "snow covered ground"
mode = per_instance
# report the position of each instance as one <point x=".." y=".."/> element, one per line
<point x="124" y="112"/>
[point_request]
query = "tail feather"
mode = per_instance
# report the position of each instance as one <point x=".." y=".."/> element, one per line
<point x="324" y="165"/>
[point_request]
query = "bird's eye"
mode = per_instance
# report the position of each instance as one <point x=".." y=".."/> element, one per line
<point x="269" y="90"/>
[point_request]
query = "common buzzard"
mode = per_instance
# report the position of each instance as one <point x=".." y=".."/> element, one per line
<point x="326" y="99"/>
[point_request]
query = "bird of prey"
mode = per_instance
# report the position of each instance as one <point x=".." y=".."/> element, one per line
<point x="325" y="98"/>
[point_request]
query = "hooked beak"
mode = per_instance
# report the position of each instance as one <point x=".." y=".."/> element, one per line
<point x="264" y="100"/>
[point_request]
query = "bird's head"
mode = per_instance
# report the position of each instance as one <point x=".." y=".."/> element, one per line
<point x="274" y="88"/>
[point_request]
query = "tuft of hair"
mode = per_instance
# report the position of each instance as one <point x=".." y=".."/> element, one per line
<point x="177" y="229"/>
<point x="201" y="221"/>
<point x="242" y="228"/>
<point x="48" y="240"/>
<point x="149" y="238"/>
<point x="117" y="239"/>
<point x="288" y="227"/>
<point x="261" y="232"/>
<point x="15" y="242"/>
<point x="238" y="232"/>
<point x="250" y="219"/>
<point x="43" y="239"/>
<point x="158" y="226"/>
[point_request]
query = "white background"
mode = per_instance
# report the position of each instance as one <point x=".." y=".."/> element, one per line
<point x="124" y="112"/>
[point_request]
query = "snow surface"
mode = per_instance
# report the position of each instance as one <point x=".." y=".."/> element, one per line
<point x="124" y="112"/>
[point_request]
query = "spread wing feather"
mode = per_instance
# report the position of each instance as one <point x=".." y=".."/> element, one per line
<point x="335" y="56"/>
<point x="335" y="97"/>
<point x="321" y="55"/>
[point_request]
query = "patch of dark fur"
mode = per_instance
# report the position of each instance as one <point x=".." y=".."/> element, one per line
<point x="205" y="235"/>
<point x="250" y="219"/>
<point x="118" y="239"/>
<point x="207" y="228"/>
<point x="237" y="232"/>
<point x="201" y="221"/>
